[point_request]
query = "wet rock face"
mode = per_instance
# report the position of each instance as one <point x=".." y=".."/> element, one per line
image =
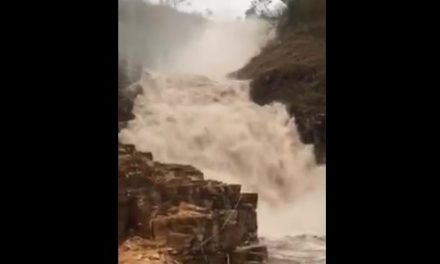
<point x="312" y="130"/>
<point x="319" y="140"/>
<point x="291" y="69"/>
<point x="127" y="92"/>
<point x="196" y="220"/>
<point x="302" y="90"/>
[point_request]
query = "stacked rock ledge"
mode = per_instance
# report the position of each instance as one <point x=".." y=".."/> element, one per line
<point x="168" y="213"/>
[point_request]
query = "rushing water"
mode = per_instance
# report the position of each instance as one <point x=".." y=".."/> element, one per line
<point x="188" y="113"/>
<point x="298" y="249"/>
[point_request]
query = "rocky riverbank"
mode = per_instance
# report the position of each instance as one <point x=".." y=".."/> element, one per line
<point x="169" y="213"/>
<point x="292" y="69"/>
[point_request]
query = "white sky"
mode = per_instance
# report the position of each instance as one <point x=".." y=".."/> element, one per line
<point x="222" y="9"/>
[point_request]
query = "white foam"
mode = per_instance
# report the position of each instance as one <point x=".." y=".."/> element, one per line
<point x="209" y="122"/>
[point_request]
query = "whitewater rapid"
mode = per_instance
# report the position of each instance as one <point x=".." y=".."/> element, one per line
<point x="189" y="113"/>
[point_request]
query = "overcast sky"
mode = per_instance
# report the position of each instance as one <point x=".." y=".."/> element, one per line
<point x="222" y="9"/>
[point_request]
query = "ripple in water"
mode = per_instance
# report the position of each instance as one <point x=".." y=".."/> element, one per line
<point x="299" y="249"/>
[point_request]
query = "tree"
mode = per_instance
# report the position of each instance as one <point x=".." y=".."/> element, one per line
<point x="208" y="12"/>
<point x="172" y="3"/>
<point x="251" y="12"/>
<point x="261" y="9"/>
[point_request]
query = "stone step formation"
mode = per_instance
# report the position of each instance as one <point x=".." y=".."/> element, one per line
<point x="168" y="213"/>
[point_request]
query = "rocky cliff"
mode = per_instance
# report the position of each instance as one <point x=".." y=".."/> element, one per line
<point x="292" y="69"/>
<point x="169" y="213"/>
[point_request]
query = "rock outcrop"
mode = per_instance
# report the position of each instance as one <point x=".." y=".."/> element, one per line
<point x="127" y="92"/>
<point x="169" y="213"/>
<point x="291" y="69"/>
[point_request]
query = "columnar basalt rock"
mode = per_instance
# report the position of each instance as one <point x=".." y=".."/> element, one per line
<point x="195" y="220"/>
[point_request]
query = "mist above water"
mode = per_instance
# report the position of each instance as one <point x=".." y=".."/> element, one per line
<point x="190" y="113"/>
<point x="219" y="48"/>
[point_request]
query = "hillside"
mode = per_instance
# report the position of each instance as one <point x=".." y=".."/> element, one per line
<point x="292" y="69"/>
